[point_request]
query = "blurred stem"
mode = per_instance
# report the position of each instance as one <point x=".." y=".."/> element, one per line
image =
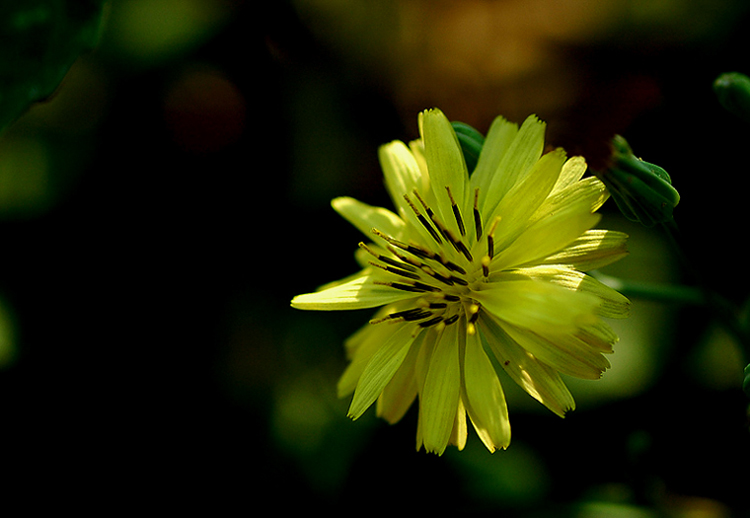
<point x="669" y="293"/>
<point x="723" y="309"/>
<point x="734" y="318"/>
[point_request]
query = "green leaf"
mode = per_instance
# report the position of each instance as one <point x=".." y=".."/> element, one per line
<point x="39" y="41"/>
<point x="471" y="142"/>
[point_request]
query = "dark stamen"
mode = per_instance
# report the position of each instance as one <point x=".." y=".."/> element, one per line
<point x="486" y="261"/>
<point x="462" y="248"/>
<point x="454" y="267"/>
<point x="419" y="251"/>
<point x="453" y="240"/>
<point x="411" y="315"/>
<point x="451" y="320"/>
<point x="475" y="315"/>
<point x="425" y="287"/>
<point x="412" y="248"/>
<point x="387" y="260"/>
<point x="477" y="215"/>
<point x="491" y="238"/>
<point x="409" y="263"/>
<point x="423" y="221"/>
<point x="456" y="212"/>
<point x="444" y="231"/>
<point x="427" y="209"/>
<point x="397" y="271"/>
<point x="437" y="276"/>
<point x="393" y="262"/>
<point x="458" y="280"/>
<point x="404" y="287"/>
<point x="431" y="322"/>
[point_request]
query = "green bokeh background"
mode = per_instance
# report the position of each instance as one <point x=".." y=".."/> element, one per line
<point x="162" y="207"/>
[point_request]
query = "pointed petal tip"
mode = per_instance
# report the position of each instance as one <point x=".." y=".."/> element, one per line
<point x="534" y="119"/>
<point x="567" y="410"/>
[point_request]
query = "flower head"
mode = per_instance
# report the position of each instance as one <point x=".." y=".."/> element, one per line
<point x="475" y="273"/>
<point x="642" y="191"/>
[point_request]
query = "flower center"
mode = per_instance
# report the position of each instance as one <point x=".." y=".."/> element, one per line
<point x="445" y="274"/>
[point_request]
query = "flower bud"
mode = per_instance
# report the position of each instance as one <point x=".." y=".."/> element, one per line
<point x="733" y="92"/>
<point x="471" y="142"/>
<point x="642" y="191"/>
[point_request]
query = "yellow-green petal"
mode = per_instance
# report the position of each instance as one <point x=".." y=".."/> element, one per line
<point x="612" y="303"/>
<point x="599" y="336"/>
<point x="516" y="162"/>
<point x="540" y="381"/>
<point x="401" y="391"/>
<point x="485" y="399"/>
<point x="381" y="368"/>
<point x="445" y="163"/>
<point x="572" y="172"/>
<point x="366" y="217"/>
<point x="460" y="431"/>
<point x="360" y="292"/>
<point x="538" y="305"/>
<point x="499" y="138"/>
<point x="402" y="173"/>
<point x="596" y="248"/>
<point x="523" y="200"/>
<point x="440" y="394"/>
<point x="546" y="236"/>
<point x="560" y="351"/>
<point x="361" y="346"/>
<point x="589" y="189"/>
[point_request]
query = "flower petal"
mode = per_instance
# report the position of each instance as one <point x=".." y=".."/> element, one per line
<point x="538" y="305"/>
<point x="366" y="217"/>
<point x="460" y="432"/>
<point x="523" y="200"/>
<point x="548" y="235"/>
<point x="599" y="336"/>
<point x="485" y="399"/>
<point x="516" y="162"/>
<point x="596" y="248"/>
<point x="401" y="391"/>
<point x="572" y="172"/>
<point x="445" y="163"/>
<point x="590" y="189"/>
<point x="381" y="369"/>
<point x="359" y="292"/>
<point x="360" y="347"/>
<point x="440" y="394"/>
<point x="561" y="351"/>
<point x="540" y="381"/>
<point x="613" y="304"/>
<point x="400" y="169"/>
<point x="499" y="138"/>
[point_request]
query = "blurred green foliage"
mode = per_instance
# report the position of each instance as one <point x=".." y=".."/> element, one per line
<point x="39" y="40"/>
<point x="146" y="274"/>
<point x="733" y="91"/>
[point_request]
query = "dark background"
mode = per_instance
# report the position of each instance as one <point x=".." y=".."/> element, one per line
<point x="183" y="199"/>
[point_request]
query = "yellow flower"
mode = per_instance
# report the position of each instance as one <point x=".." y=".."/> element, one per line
<point x="475" y="273"/>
